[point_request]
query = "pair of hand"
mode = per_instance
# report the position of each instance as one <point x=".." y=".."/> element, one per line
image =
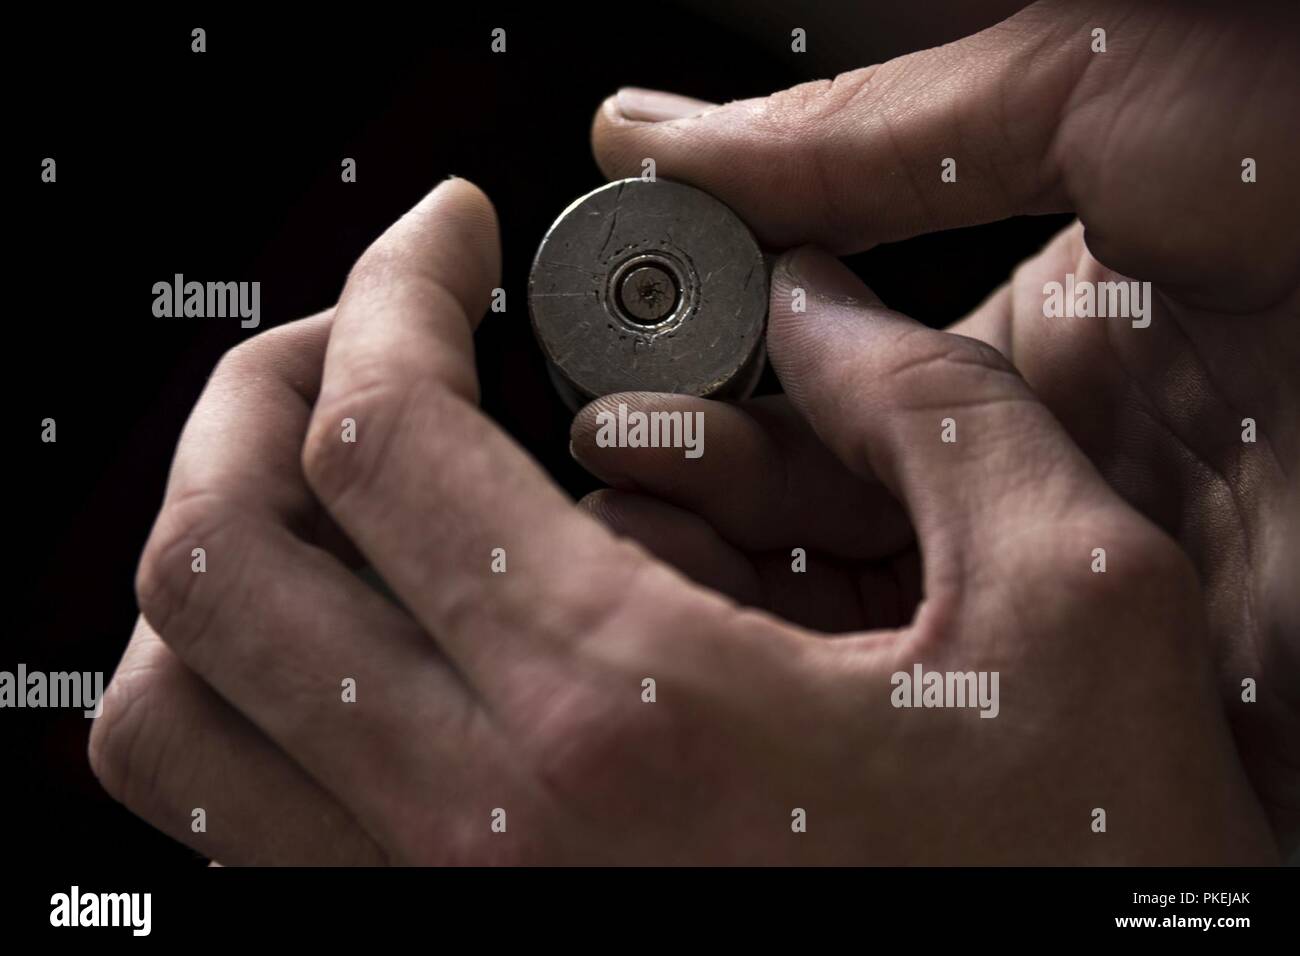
<point x="503" y="716"/>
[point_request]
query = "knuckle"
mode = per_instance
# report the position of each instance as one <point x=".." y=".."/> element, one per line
<point x="1149" y="563"/>
<point x="1149" y="585"/>
<point x="818" y="101"/>
<point x="826" y="168"/>
<point x="926" y="369"/>
<point x="970" y="352"/>
<point x="599" y="741"/>
<point x="173" y="597"/>
<point x="632" y="601"/>
<point x="1156" y="601"/>
<point x="464" y="838"/>
<point x="106" y="748"/>
<point x="1086" y="628"/>
<point x="1171" y="583"/>
<point x="336" y="464"/>
<point x="127" y="749"/>
<point x="292" y="354"/>
<point x="569" y="613"/>
<point x="594" y="745"/>
<point x="238" y="362"/>
<point x="923" y="353"/>
<point x="230" y="368"/>
<point x="255" y="355"/>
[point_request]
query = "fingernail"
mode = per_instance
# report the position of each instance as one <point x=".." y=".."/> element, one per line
<point x="655" y="106"/>
<point x="823" y="276"/>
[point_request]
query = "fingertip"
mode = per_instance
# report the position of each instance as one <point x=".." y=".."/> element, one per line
<point x="459" y="197"/>
<point x="582" y="431"/>
<point x="813" y="295"/>
<point x="467" y="202"/>
<point x="452" y="230"/>
<point x="627" y="465"/>
<point x="584" y="419"/>
<point x="601" y="506"/>
<point x="630" y="121"/>
<point x="586" y="425"/>
<point x="614" y="140"/>
<point x="822" y="276"/>
<point x="639" y="105"/>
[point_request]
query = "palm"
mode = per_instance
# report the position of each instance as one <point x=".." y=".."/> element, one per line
<point x="1160" y="411"/>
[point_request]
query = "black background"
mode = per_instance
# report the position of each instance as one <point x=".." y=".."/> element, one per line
<point x="225" y="166"/>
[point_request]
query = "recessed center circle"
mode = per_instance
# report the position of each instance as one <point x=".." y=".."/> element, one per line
<point x="648" y="293"/>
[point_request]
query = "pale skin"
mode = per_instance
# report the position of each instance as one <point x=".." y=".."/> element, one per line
<point x="1145" y="143"/>
<point x="523" y="691"/>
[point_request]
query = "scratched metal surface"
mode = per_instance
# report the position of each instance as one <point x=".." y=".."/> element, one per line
<point x="711" y="345"/>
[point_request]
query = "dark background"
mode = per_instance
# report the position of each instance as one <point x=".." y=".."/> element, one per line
<point x="225" y="166"/>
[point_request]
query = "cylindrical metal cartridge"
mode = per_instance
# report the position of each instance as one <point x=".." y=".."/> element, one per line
<point x="649" y="286"/>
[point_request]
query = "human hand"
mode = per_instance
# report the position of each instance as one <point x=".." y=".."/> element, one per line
<point x="1146" y="143"/>
<point x="518" y="699"/>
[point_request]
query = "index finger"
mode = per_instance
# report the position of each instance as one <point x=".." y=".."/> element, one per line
<point x="460" y="522"/>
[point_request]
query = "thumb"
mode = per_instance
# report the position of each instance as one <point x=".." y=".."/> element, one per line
<point x="944" y="421"/>
<point x="1029" y="116"/>
<point x="858" y="160"/>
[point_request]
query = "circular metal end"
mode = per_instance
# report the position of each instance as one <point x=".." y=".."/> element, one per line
<point x="648" y="293"/>
<point x="649" y="286"/>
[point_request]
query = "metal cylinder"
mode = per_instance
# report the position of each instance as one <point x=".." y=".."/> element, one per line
<point x="649" y="286"/>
